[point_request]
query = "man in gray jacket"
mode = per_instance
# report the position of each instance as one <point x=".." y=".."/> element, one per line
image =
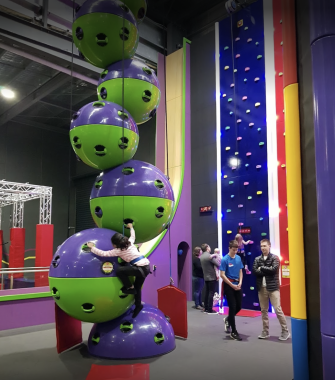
<point x="208" y="263"/>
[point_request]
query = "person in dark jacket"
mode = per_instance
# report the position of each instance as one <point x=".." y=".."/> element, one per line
<point x="197" y="278"/>
<point x="266" y="270"/>
<point x="208" y="263"/>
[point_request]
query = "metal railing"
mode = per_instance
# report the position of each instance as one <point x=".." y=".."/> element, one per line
<point x="10" y="272"/>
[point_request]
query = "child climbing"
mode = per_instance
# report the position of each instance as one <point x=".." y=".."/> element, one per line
<point x="139" y="265"/>
<point x="241" y="252"/>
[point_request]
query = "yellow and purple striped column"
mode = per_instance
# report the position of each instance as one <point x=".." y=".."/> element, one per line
<point x="294" y="195"/>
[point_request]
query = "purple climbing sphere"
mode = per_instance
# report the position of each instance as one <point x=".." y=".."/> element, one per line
<point x="114" y="7"/>
<point x="73" y="259"/>
<point x="131" y="68"/>
<point x="103" y="113"/>
<point x="134" y="178"/>
<point x="149" y="334"/>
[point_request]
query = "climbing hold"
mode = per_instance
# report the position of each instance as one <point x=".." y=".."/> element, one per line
<point x="249" y="197"/>
<point x="257" y="104"/>
<point x="232" y="196"/>
<point x="239" y="138"/>
<point x="227" y="128"/>
<point x="258" y="166"/>
<point x="239" y="121"/>
<point x="256" y="304"/>
<point x="226" y="67"/>
<point x="237" y="38"/>
<point x="247" y="69"/>
<point x="259" y="56"/>
<point x="259" y="129"/>
<point x="229" y="232"/>
<point x="252" y="288"/>
<point x="238" y="56"/>
<point x="263" y="234"/>
<point x="244" y="98"/>
<point x="232" y="85"/>
<point x="253" y="212"/>
<point x="284" y="134"/>
<point x="251" y="124"/>
<point x="246" y="28"/>
<point x="235" y="70"/>
<point x="247" y="111"/>
<point x="248" y="154"/>
<point x="257" y="43"/>
<point x="227" y="147"/>
<point x="241" y="224"/>
<point x="245" y="80"/>
<point x="282" y="43"/>
<point x="261" y="143"/>
<point x="240" y="206"/>
<point x="230" y="100"/>
<point x="259" y="192"/>
<point x="246" y="165"/>
<point x="280" y="74"/>
<point x="231" y="182"/>
<point x="246" y="183"/>
<point x="249" y="40"/>
<point x="233" y="168"/>
<point x="231" y="113"/>
<point x="236" y="153"/>
<point x="224" y="95"/>
<point x="281" y="21"/>
<point x="226" y="48"/>
<point x="225" y="176"/>
<point x="256" y="79"/>
<point x="228" y="210"/>
<point x="283" y="166"/>
<point x="260" y="219"/>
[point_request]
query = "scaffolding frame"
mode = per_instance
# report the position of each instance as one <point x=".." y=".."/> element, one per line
<point x="16" y="194"/>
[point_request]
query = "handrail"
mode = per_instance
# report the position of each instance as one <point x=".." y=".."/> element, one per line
<point x="24" y="268"/>
<point x="27" y="271"/>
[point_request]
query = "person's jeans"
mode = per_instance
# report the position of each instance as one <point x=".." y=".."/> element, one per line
<point x="198" y="284"/>
<point x="140" y="274"/>
<point x="264" y="296"/>
<point x="209" y="294"/>
<point x="234" y="300"/>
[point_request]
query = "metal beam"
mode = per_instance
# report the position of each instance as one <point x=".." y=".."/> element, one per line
<point x="54" y="105"/>
<point x="23" y="121"/>
<point x="45" y="12"/>
<point x="54" y="83"/>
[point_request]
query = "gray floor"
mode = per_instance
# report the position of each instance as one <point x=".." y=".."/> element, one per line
<point x="208" y="354"/>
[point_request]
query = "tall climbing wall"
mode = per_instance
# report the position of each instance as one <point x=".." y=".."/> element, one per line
<point x="245" y="205"/>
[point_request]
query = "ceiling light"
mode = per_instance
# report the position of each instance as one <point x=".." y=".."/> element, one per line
<point x="6" y="93"/>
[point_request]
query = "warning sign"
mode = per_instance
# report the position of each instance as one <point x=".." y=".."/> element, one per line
<point x="286" y="271"/>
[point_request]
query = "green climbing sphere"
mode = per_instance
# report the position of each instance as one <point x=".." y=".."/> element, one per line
<point x="138" y="8"/>
<point x="103" y="135"/>
<point x="105" y="32"/>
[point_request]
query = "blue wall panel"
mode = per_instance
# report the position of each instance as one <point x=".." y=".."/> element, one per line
<point x="237" y="82"/>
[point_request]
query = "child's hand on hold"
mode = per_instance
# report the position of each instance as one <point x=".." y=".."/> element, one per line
<point x="90" y="244"/>
<point x="130" y="225"/>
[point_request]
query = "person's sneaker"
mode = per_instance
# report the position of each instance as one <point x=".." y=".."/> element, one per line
<point x="264" y="335"/>
<point x="198" y="307"/>
<point x="212" y="312"/>
<point x="284" y="335"/>
<point x="226" y="325"/>
<point x="205" y="311"/>
<point x="235" y="336"/>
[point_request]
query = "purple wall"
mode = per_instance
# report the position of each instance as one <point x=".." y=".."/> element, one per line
<point x="323" y="64"/>
<point x="181" y="227"/>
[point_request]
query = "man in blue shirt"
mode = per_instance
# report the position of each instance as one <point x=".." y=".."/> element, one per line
<point x="231" y="273"/>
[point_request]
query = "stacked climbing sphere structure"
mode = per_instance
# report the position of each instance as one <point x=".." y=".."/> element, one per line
<point x="104" y="135"/>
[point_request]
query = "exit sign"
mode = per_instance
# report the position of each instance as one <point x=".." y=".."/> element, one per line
<point x="204" y="209"/>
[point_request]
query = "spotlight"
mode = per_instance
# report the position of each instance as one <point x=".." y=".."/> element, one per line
<point x="6" y="93"/>
<point x="231" y="6"/>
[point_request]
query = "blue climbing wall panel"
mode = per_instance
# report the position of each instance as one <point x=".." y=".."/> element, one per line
<point x="243" y="135"/>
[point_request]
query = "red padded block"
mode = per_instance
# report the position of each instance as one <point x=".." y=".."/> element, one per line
<point x="44" y="251"/>
<point x="16" y="249"/>
<point x="118" y="372"/>
<point x="173" y="303"/>
<point x="68" y="330"/>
